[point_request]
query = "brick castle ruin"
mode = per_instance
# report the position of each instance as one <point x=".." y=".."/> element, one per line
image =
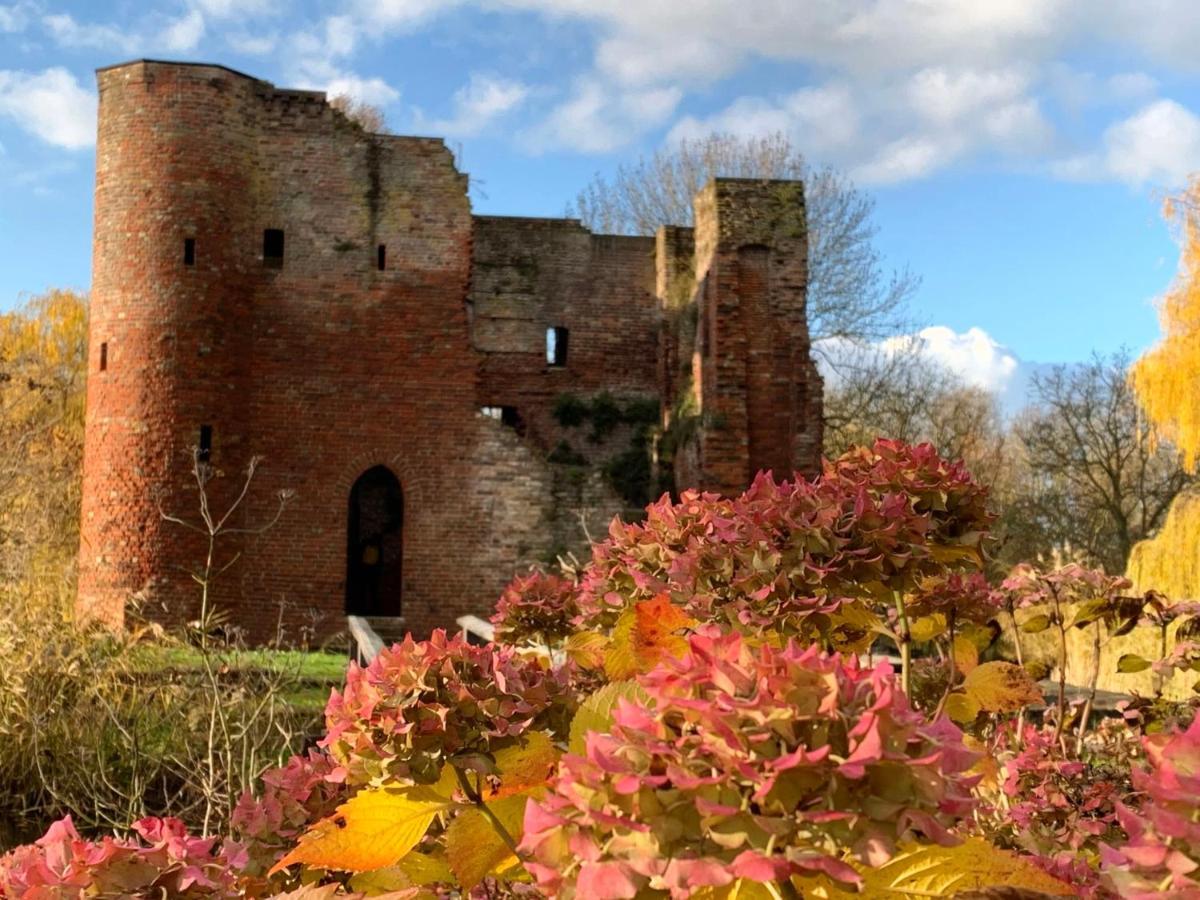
<point x="450" y="397"/>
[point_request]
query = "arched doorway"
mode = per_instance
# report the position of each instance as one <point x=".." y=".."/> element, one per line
<point x="375" y="544"/>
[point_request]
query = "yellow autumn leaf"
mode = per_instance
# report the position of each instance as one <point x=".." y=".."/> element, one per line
<point x="373" y="829"/>
<point x="474" y="849"/>
<point x="526" y="765"/>
<point x="741" y="889"/>
<point x="595" y="713"/>
<point x="414" y="870"/>
<point x="586" y="649"/>
<point x="852" y="628"/>
<point x="966" y="654"/>
<point x="962" y="708"/>
<point x="1001" y="687"/>
<point x="935" y="871"/>
<point x="928" y="627"/>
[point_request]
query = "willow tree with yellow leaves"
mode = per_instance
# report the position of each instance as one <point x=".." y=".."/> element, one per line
<point x="1167" y="377"/>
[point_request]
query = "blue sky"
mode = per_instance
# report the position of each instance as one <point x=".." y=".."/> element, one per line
<point x="1018" y="150"/>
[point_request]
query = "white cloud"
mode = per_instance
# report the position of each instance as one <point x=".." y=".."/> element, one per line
<point x="825" y="119"/>
<point x="51" y="105"/>
<point x="398" y="15"/>
<point x="184" y="33"/>
<point x="1159" y="144"/>
<point x="228" y="9"/>
<point x="15" y="17"/>
<point x="481" y="101"/>
<point x="599" y="119"/>
<point x="973" y="355"/>
<point x="884" y="132"/>
<point x="67" y="32"/>
<point x="252" y="44"/>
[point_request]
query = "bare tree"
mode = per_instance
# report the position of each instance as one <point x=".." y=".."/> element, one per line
<point x="900" y="393"/>
<point x="849" y="293"/>
<point x="366" y="115"/>
<point x="1095" y="479"/>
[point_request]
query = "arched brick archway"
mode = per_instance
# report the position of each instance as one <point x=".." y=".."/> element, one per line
<point x="375" y="544"/>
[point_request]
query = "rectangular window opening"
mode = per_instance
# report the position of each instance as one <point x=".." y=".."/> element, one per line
<point x="381" y="257"/>
<point x="506" y="416"/>
<point x="104" y="356"/>
<point x="273" y="248"/>
<point x="204" y="449"/>
<point x="189" y="251"/>
<point x="556" y="345"/>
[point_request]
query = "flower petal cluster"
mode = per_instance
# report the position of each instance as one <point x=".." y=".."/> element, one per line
<point x="1161" y="858"/>
<point x="877" y="519"/>
<point x="421" y="702"/>
<point x="302" y="791"/>
<point x="1070" y="583"/>
<point x="165" y="862"/>
<point x="535" y="608"/>
<point x="966" y="596"/>
<point x="751" y="762"/>
<point x="1058" y="801"/>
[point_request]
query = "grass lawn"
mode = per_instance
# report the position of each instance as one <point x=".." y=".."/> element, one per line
<point x="314" y="672"/>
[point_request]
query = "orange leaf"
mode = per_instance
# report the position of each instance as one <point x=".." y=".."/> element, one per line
<point x="644" y="635"/>
<point x="525" y="766"/>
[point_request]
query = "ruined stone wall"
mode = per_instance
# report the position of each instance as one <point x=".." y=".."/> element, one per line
<point x="391" y="320"/>
<point x="753" y="374"/>
<point x="529" y="275"/>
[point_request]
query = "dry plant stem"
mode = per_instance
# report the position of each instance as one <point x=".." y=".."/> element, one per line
<point x="951" y="670"/>
<point x="1062" y="664"/>
<point x="905" y="642"/>
<point x="1091" y="698"/>
<point x="1012" y="614"/>
<point x="475" y="798"/>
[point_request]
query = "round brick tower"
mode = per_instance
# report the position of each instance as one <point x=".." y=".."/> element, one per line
<point x="170" y="307"/>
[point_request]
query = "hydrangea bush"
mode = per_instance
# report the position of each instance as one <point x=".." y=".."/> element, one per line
<point x="759" y="763"/>
<point x="697" y="715"/>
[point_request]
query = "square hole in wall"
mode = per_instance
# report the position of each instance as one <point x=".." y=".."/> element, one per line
<point x="104" y="356"/>
<point x="189" y="251"/>
<point x="204" y="448"/>
<point x="381" y="257"/>
<point x="273" y="248"/>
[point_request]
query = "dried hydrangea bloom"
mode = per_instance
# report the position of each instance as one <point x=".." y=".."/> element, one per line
<point x="420" y="702"/>
<point x="750" y="762"/>
<point x="162" y="861"/>
<point x="1161" y="858"/>
<point x="536" y="608"/>
<point x="787" y="552"/>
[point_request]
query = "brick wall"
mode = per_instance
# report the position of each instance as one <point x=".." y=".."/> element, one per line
<point x="326" y="365"/>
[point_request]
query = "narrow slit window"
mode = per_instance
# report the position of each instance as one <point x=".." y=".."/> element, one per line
<point x="204" y="449"/>
<point x="189" y="251"/>
<point x="104" y="356"/>
<point x="381" y="257"/>
<point x="556" y="345"/>
<point x="273" y="248"/>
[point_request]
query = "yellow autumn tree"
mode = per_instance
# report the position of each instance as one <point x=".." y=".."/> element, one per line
<point x="43" y="349"/>
<point x="1167" y="377"/>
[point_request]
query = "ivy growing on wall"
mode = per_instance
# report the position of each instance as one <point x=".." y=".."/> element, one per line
<point x="630" y="472"/>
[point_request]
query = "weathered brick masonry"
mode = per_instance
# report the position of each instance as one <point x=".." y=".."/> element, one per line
<point x="396" y="331"/>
